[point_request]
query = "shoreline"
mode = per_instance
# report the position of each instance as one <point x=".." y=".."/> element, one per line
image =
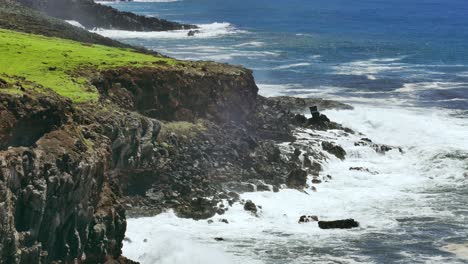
<point x="348" y="194"/>
<point x="235" y="169"/>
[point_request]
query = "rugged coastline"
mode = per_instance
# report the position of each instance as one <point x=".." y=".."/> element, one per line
<point x="136" y="138"/>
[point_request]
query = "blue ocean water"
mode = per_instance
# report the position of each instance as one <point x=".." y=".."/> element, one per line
<point x="406" y="52"/>
<point x="403" y="64"/>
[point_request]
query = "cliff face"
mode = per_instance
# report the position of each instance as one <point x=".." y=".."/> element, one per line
<point x="92" y="15"/>
<point x="198" y="90"/>
<point x="57" y="202"/>
<point x="63" y="164"/>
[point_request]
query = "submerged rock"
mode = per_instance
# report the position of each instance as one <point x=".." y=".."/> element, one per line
<point x="379" y="148"/>
<point x="340" y="224"/>
<point x="363" y="170"/>
<point x="336" y="150"/>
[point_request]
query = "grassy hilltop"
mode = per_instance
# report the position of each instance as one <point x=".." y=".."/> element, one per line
<point x="62" y="65"/>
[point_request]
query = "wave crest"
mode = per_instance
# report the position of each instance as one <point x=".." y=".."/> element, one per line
<point x="212" y="30"/>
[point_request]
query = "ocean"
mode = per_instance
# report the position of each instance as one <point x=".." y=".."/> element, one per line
<point x="403" y="65"/>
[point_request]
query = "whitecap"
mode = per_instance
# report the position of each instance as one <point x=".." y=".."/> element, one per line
<point x="251" y="44"/>
<point x="370" y="67"/>
<point x="437" y="85"/>
<point x="212" y="30"/>
<point x="290" y="66"/>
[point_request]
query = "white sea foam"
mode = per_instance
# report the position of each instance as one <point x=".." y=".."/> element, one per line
<point x="204" y="52"/>
<point x="371" y="67"/>
<point x="411" y="87"/>
<point x="376" y="200"/>
<point x="74" y="23"/>
<point x="290" y="66"/>
<point x="169" y="244"/>
<point x="212" y="30"/>
<point x="251" y="44"/>
<point x="374" y="68"/>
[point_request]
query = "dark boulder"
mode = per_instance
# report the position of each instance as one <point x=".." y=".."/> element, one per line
<point x="297" y="179"/>
<point x="316" y="181"/>
<point x="224" y="220"/>
<point x="339" y="224"/>
<point x="250" y="206"/>
<point x="336" y="150"/>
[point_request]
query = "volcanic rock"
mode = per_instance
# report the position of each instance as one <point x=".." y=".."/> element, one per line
<point x="336" y="150"/>
<point x="340" y="224"/>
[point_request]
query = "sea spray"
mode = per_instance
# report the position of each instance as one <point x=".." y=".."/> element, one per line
<point x="383" y="202"/>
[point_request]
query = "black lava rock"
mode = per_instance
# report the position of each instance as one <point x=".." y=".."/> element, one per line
<point x="340" y="224"/>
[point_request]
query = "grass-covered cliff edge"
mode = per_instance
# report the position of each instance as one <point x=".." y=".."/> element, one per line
<point x="92" y="132"/>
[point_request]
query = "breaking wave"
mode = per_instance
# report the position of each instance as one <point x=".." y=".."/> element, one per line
<point x="212" y="30"/>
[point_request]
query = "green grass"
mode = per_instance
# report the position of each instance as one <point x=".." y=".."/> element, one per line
<point x="63" y="65"/>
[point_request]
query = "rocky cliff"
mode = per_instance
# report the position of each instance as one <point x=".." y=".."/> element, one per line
<point x="92" y="15"/>
<point x="63" y="163"/>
